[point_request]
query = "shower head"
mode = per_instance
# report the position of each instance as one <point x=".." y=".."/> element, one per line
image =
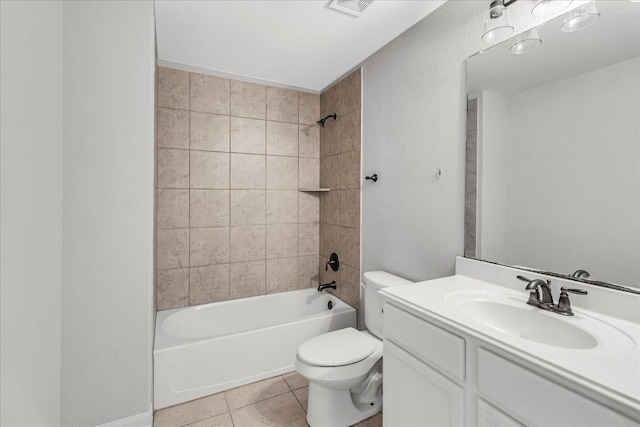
<point x="321" y="121"/>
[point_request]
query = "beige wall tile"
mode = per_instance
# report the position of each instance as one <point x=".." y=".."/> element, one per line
<point x="247" y="279"/>
<point x="309" y="141"/>
<point x="331" y="207"/>
<point x="283" y="410"/>
<point x="173" y="128"/>
<point x="209" y="208"/>
<point x="209" y="246"/>
<point x="173" y="88"/>
<point x="209" y="132"/>
<point x="329" y="101"/>
<point x="309" y="173"/>
<point x="247" y="242"/>
<point x="172" y="248"/>
<point x="209" y="94"/>
<point x="248" y="207"/>
<point x="308" y="271"/>
<point x="247" y="172"/>
<point x="248" y="135"/>
<point x="350" y="93"/>
<point x="282" y="240"/>
<point x="173" y="208"/>
<point x="282" y="105"/>
<point x="350" y="132"/>
<point x="350" y="247"/>
<point x="330" y="172"/>
<point x="308" y="207"/>
<point x="172" y="288"/>
<point x="308" y="239"/>
<point x="223" y="420"/>
<point x="282" y="274"/>
<point x="191" y="412"/>
<point x="295" y="381"/>
<point x="209" y="284"/>
<point x="350" y="169"/>
<point x="282" y="173"/>
<point x="255" y="392"/>
<point x="309" y="108"/>
<point x="282" y="139"/>
<point x="173" y="168"/>
<point x="209" y="170"/>
<point x="248" y="100"/>
<point x="330" y="138"/>
<point x="350" y="208"/>
<point x="332" y="240"/>
<point x="282" y="207"/>
<point x="350" y="285"/>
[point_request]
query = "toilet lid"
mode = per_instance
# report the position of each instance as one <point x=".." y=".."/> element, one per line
<point x="337" y="348"/>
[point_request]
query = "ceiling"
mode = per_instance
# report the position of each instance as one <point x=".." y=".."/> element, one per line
<point x="302" y="44"/>
<point x="615" y="37"/>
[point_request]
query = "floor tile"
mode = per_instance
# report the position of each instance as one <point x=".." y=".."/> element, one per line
<point x="281" y="411"/>
<point x="255" y="392"/>
<point x="223" y="420"/>
<point x="295" y="380"/>
<point x="302" y="394"/>
<point x="190" y="412"/>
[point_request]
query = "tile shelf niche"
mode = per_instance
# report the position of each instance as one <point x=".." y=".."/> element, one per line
<point x="314" y="190"/>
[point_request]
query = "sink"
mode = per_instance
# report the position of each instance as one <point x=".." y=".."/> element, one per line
<point x="513" y="316"/>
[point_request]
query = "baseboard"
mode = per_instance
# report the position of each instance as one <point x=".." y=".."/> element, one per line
<point x="141" y="420"/>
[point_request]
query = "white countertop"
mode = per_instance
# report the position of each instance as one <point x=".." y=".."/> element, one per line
<point x="611" y="368"/>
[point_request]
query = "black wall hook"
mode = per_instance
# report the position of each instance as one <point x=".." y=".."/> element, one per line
<point x="373" y="177"/>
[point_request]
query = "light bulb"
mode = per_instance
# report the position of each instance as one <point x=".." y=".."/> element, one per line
<point x="549" y="7"/>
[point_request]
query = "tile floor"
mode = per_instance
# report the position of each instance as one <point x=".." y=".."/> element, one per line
<point x="277" y="401"/>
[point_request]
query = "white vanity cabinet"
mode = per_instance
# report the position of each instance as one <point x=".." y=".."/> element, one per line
<point x="436" y="375"/>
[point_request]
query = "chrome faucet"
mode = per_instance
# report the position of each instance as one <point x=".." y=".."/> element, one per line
<point x="584" y="274"/>
<point x="331" y="285"/>
<point x="540" y="295"/>
<point x="564" y="305"/>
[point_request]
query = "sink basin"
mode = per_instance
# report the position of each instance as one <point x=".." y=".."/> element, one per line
<point x="512" y="316"/>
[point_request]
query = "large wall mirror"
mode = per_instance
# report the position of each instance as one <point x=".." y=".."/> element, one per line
<point x="553" y="150"/>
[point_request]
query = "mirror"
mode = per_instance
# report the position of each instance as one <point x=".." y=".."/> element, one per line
<point x="553" y="151"/>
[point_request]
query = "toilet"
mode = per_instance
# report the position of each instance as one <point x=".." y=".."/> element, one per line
<point x="344" y="367"/>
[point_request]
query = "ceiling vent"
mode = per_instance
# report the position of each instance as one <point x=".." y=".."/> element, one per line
<point x="352" y="7"/>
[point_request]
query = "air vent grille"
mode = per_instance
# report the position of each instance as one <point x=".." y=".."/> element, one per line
<point x="352" y="7"/>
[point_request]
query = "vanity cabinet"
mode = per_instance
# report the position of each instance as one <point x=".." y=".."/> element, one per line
<point x="436" y="375"/>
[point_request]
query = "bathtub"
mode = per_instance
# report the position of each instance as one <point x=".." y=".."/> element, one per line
<point x="209" y="348"/>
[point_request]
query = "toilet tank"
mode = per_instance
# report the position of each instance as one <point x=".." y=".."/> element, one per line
<point x="373" y="282"/>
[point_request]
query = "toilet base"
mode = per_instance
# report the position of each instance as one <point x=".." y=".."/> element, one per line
<point x="329" y="407"/>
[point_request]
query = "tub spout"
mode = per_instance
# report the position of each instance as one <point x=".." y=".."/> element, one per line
<point x="331" y="285"/>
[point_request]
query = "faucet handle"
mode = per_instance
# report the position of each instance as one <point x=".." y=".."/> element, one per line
<point x="574" y="291"/>
<point x="564" y="305"/>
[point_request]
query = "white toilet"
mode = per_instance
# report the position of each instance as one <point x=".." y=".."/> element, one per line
<point x="344" y="367"/>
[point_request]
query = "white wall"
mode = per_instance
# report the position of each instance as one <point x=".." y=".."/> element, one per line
<point x="108" y="210"/>
<point x="492" y="177"/>
<point x="31" y="212"/>
<point x="414" y="107"/>
<point x="581" y="132"/>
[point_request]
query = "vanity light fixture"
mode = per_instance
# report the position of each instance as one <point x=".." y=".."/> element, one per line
<point x="527" y="42"/>
<point x="549" y="7"/>
<point x="496" y="23"/>
<point x="581" y="18"/>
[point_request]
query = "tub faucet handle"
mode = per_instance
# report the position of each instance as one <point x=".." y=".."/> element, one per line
<point x="334" y="262"/>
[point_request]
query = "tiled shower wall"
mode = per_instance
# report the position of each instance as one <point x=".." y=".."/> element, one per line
<point x="231" y="222"/>
<point x="471" y="180"/>
<point x="340" y="142"/>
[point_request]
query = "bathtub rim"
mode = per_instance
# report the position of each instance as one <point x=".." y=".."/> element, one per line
<point x="164" y="341"/>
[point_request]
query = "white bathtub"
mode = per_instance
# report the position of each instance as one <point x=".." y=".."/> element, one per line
<point x="209" y="348"/>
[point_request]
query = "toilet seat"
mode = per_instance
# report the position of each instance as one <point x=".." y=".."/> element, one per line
<point x="337" y="348"/>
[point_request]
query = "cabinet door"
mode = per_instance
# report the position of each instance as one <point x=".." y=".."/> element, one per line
<point x="414" y="394"/>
